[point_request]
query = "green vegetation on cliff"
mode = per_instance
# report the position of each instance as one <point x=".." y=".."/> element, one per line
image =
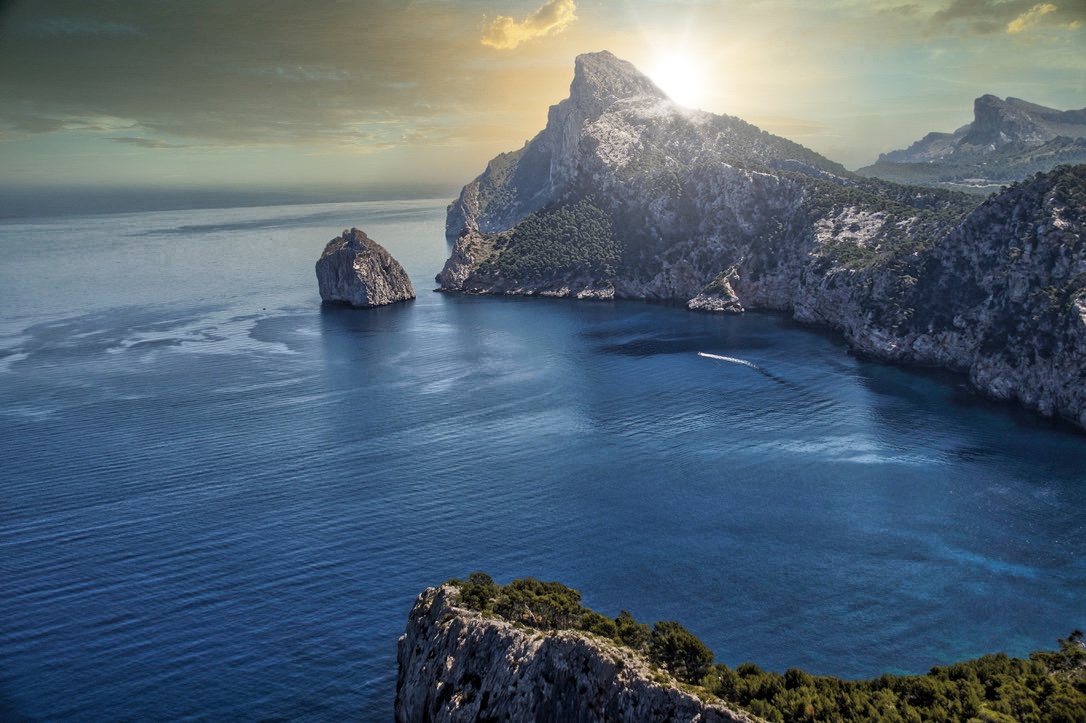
<point x="555" y="243"/>
<point x="913" y="219"/>
<point x="1049" y="686"/>
<point x="553" y="606"/>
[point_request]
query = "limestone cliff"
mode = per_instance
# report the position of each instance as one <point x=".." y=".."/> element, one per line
<point x="354" y="269"/>
<point x="515" y="184"/>
<point x="1002" y="298"/>
<point x="650" y="200"/>
<point x="456" y="664"/>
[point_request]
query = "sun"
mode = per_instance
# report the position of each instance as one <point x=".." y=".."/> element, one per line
<point x="682" y="77"/>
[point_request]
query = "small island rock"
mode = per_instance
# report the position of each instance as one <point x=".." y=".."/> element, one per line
<point x="354" y="269"/>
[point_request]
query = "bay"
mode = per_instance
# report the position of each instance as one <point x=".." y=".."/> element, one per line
<point x="220" y="498"/>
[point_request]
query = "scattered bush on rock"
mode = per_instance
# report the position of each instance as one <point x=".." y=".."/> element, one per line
<point x="1048" y="686"/>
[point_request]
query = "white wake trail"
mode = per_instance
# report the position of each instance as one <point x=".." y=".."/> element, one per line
<point x="731" y="359"/>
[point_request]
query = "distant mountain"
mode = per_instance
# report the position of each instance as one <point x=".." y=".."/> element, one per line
<point x="626" y="194"/>
<point x="1007" y="141"/>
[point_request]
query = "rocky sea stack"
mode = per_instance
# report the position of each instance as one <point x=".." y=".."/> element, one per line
<point x="354" y="269"/>
<point x="626" y="194"/>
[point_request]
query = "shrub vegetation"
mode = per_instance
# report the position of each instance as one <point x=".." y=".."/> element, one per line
<point x="555" y="243"/>
<point x="1049" y="686"/>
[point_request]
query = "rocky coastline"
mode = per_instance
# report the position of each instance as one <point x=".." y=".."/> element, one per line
<point x="625" y="194"/>
<point x="474" y="650"/>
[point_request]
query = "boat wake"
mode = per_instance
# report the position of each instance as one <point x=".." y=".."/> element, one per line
<point x="731" y="359"/>
<point x="752" y="365"/>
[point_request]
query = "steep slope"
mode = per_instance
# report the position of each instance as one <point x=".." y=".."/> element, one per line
<point x="1002" y="297"/>
<point x="1007" y="141"/>
<point x="649" y="200"/>
<point x="515" y="184"/>
<point x="456" y="664"/>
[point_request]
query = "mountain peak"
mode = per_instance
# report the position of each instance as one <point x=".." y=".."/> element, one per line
<point x="997" y="122"/>
<point x="1007" y="140"/>
<point x="600" y="79"/>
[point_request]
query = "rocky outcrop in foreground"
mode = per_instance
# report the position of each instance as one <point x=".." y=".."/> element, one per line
<point x="627" y="195"/>
<point x="354" y="269"/>
<point x="529" y="651"/>
<point x="457" y="664"/>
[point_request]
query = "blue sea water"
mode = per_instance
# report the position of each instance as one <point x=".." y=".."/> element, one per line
<point x="219" y="499"/>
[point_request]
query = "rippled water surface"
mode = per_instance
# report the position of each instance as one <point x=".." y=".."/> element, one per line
<point x="220" y="499"/>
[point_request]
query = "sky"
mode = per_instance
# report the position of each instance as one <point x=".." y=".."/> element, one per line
<point x="372" y="94"/>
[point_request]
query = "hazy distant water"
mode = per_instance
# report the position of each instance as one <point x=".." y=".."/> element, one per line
<point x="220" y="499"/>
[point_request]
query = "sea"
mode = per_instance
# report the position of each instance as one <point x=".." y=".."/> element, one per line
<point x="219" y="498"/>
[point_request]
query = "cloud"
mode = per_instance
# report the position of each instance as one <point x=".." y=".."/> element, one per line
<point x="18" y="125"/>
<point x="988" y="17"/>
<point x="1028" y="19"/>
<point x="504" y="32"/>
<point x="904" y="10"/>
<point x="212" y="73"/>
<point x="35" y="125"/>
<point x="141" y="142"/>
<point x="72" y="27"/>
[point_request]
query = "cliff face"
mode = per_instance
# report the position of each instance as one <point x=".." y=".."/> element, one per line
<point x="457" y="665"/>
<point x="1006" y="141"/>
<point x="515" y="184"/>
<point x="1001" y="297"/>
<point x="354" y="269"/>
<point x="654" y="201"/>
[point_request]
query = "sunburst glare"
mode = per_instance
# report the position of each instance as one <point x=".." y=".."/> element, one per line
<point x="682" y="77"/>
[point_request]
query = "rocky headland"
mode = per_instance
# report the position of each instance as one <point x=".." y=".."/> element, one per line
<point x="529" y="651"/>
<point x="1006" y="141"/>
<point x="458" y="664"/>
<point x="625" y="194"/>
<point x="354" y="269"/>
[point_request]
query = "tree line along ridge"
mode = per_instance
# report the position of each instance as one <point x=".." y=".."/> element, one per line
<point x="1048" y="686"/>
